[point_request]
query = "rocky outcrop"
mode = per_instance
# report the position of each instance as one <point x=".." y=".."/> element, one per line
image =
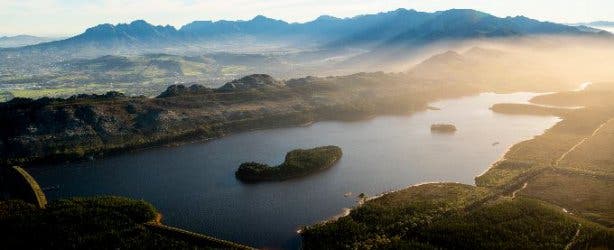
<point x="254" y="81"/>
<point x="251" y="81"/>
<point x="177" y="90"/>
<point x="85" y="126"/>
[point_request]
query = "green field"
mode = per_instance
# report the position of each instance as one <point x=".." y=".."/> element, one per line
<point x="146" y="75"/>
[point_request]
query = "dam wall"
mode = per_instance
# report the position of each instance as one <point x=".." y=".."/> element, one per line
<point x="16" y="183"/>
<point x="195" y="238"/>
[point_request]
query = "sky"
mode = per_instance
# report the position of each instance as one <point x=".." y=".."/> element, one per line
<point x="70" y="17"/>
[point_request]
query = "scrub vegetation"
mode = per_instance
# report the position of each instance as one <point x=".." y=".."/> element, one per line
<point x="82" y="223"/>
<point x="551" y="192"/>
<point x="299" y="162"/>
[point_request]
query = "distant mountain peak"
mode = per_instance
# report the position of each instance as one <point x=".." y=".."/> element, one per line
<point x="134" y="24"/>
<point x="464" y="12"/>
<point x="403" y="10"/>
<point x="100" y="27"/>
<point x="400" y="27"/>
<point x="265" y="19"/>
<point x="261" y="18"/>
<point x="251" y="81"/>
<point x="140" y="22"/>
<point x="327" y="18"/>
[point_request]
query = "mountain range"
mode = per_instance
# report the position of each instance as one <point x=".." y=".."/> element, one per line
<point x="23" y="40"/>
<point x="598" y="24"/>
<point x="399" y="27"/>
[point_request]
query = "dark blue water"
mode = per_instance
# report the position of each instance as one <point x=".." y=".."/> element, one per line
<point x="194" y="185"/>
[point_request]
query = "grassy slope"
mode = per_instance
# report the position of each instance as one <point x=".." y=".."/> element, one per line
<point x="585" y="195"/>
<point x="595" y="155"/>
<point x="571" y="165"/>
<point x="434" y="216"/>
<point x="543" y="151"/>
<point x="581" y="180"/>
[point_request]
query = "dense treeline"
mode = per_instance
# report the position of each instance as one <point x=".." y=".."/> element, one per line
<point x="82" y="223"/>
<point x="517" y="224"/>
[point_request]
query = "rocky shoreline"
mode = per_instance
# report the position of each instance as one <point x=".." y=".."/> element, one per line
<point x="88" y="126"/>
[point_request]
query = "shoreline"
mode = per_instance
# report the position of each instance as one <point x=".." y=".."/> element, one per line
<point x="201" y="137"/>
<point x="347" y="211"/>
<point x="291" y="120"/>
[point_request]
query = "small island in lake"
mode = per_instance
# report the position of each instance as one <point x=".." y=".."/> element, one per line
<point x="298" y="162"/>
<point x="443" y="128"/>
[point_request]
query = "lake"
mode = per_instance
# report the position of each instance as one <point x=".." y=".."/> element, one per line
<point x="194" y="186"/>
